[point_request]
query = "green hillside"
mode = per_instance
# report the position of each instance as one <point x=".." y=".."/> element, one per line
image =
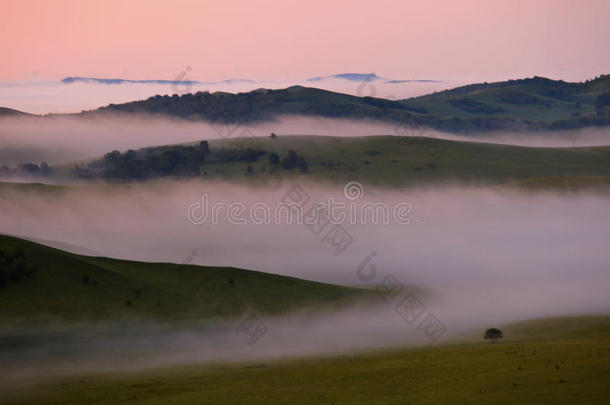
<point x="558" y="361"/>
<point x="533" y="100"/>
<point x="527" y="104"/>
<point x="39" y="282"/>
<point x="533" y="104"/>
<point x="374" y="160"/>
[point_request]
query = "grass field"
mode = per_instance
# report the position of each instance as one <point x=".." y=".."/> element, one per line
<point x="559" y="361"/>
<point x="73" y="287"/>
<point x="403" y="161"/>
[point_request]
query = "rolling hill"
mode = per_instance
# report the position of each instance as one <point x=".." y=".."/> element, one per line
<point x="532" y="100"/>
<point x="533" y="104"/>
<point x="386" y="161"/>
<point x="54" y="284"/>
<point x="527" y="104"/>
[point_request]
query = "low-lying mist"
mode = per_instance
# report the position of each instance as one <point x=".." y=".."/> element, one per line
<point x="460" y="241"/>
<point x="65" y="139"/>
<point x="484" y="257"/>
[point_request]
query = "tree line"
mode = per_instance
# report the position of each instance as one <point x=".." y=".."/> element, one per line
<point x="180" y="161"/>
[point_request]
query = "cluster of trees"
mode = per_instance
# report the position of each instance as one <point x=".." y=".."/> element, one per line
<point x="13" y="266"/>
<point x="180" y="161"/>
<point x="26" y="169"/>
<point x="293" y="160"/>
<point x="222" y="107"/>
<point x="183" y="161"/>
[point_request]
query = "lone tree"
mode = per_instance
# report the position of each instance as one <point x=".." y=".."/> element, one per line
<point x="493" y="334"/>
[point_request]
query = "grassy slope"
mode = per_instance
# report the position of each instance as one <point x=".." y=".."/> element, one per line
<point x="535" y="99"/>
<point x="167" y="291"/>
<point x="404" y="161"/>
<point x="527" y="368"/>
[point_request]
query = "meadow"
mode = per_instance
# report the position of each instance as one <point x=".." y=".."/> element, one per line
<point x="560" y="361"/>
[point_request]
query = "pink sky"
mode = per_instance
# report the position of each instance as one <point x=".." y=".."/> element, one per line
<point x="287" y="39"/>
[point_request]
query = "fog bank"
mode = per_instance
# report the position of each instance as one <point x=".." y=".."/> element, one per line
<point x="65" y="139"/>
<point x="460" y="241"/>
<point x="478" y="257"/>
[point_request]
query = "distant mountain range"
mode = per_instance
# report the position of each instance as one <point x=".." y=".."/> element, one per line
<point x="69" y="80"/>
<point x="517" y="105"/>
<point x="365" y="77"/>
<point x="352" y="77"/>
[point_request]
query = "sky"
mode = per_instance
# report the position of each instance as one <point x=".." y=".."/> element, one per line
<point x="468" y="40"/>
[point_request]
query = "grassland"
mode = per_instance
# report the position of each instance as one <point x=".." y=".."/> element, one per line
<point x="534" y="100"/>
<point x="403" y="161"/>
<point x="559" y="361"/>
<point x="74" y="287"/>
<point x="394" y="161"/>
